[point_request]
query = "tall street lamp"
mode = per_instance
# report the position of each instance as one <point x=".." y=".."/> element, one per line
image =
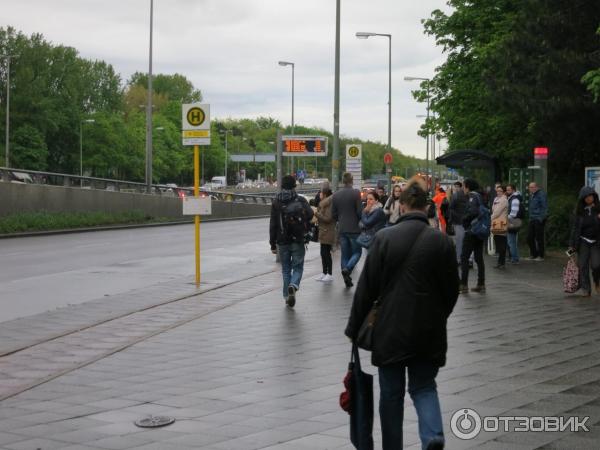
<point x="287" y="63"/>
<point x="7" y="144"/>
<point x="367" y="35"/>
<point x="81" y="148"/>
<point x="226" y="132"/>
<point x="149" y="112"/>
<point x="428" y="81"/>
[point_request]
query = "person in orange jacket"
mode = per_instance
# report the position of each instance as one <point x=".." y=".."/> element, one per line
<point x="441" y="203"/>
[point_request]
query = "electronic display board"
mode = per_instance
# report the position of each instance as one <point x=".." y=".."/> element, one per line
<point x="304" y="145"/>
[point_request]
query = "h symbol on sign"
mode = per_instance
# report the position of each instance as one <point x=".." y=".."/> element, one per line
<point x="195" y="116"/>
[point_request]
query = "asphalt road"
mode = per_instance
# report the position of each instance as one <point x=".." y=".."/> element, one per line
<point x="41" y="273"/>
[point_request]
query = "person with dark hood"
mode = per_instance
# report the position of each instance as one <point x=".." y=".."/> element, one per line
<point x="290" y="221"/>
<point x="411" y="271"/>
<point x="585" y="239"/>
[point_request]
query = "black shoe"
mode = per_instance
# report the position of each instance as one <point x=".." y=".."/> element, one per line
<point x="435" y="444"/>
<point x="479" y="288"/>
<point x="463" y="289"/>
<point x="470" y="265"/>
<point x="291" y="298"/>
<point x="500" y="266"/>
<point x="347" y="278"/>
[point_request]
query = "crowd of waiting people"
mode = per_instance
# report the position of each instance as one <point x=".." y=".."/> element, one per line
<point x="419" y="251"/>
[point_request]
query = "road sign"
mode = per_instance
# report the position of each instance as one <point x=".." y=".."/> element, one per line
<point x="387" y="158"/>
<point x="193" y="206"/>
<point x="353" y="151"/>
<point x="195" y="124"/>
<point x="354" y="163"/>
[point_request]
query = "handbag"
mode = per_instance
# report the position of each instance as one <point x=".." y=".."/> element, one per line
<point x="357" y="401"/>
<point x="364" y="239"/>
<point x="499" y="226"/>
<point x="514" y="223"/>
<point x="313" y="232"/>
<point x="364" y="338"/>
<point x="571" y="276"/>
<point x="450" y="229"/>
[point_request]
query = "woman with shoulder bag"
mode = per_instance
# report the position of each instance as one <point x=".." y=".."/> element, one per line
<point x="411" y="272"/>
<point x="500" y="224"/>
<point x="585" y="239"/>
<point x="326" y="233"/>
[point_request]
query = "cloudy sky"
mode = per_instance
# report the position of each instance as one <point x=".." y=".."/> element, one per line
<point x="229" y="49"/>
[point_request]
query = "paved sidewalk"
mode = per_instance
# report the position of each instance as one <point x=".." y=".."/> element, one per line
<point x="239" y="370"/>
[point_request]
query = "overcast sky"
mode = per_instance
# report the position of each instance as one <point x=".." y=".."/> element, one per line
<point x="229" y="49"/>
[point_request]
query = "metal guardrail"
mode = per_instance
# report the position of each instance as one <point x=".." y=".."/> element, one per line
<point x="82" y="182"/>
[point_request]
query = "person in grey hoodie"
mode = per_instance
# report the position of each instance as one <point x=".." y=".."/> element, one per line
<point x="346" y="211"/>
<point x="585" y="239"/>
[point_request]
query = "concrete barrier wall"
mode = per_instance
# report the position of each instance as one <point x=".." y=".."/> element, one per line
<point x="18" y="197"/>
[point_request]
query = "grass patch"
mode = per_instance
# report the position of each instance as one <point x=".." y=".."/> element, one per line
<point x="44" y="221"/>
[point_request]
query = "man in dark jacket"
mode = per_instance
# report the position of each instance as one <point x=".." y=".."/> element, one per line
<point x="471" y="243"/>
<point x="290" y="214"/>
<point x="538" y="212"/>
<point x="458" y="206"/>
<point x="346" y="211"/>
<point x="411" y="270"/>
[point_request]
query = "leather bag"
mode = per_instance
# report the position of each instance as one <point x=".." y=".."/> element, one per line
<point x="499" y="226"/>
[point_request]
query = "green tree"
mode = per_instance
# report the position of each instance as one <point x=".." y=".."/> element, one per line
<point x="513" y="80"/>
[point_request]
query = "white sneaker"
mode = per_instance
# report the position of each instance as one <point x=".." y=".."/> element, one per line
<point x="320" y="277"/>
<point x="327" y="278"/>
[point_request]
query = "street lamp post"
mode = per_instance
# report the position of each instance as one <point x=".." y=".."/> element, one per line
<point x="7" y="143"/>
<point x="287" y="63"/>
<point x="226" y="132"/>
<point x="367" y="35"/>
<point x="81" y="148"/>
<point x="149" y="112"/>
<point x="428" y="81"/>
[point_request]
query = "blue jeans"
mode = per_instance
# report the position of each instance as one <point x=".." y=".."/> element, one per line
<point x="422" y="390"/>
<point x="351" y="251"/>
<point x="512" y="246"/>
<point x="292" y="264"/>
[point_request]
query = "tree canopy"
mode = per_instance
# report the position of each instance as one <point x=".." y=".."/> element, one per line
<point x="519" y="74"/>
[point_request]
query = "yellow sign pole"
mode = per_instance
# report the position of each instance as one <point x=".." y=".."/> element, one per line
<point x="197" y="218"/>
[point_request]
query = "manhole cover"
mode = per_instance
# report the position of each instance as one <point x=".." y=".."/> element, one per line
<point x="154" y="421"/>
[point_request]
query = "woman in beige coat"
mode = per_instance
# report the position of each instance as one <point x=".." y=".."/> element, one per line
<point x="326" y="234"/>
<point x="500" y="213"/>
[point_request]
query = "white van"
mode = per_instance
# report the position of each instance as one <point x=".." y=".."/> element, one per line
<point x="218" y="182"/>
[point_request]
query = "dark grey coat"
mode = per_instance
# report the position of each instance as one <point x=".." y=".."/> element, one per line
<point x="418" y="291"/>
<point x="347" y="209"/>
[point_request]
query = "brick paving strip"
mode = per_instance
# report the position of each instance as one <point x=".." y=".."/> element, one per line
<point x="38" y="362"/>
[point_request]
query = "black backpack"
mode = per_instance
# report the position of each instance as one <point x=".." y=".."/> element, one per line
<point x="295" y="224"/>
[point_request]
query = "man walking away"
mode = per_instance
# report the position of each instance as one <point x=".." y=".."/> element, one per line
<point x="346" y="211"/>
<point x="538" y="212"/>
<point x="290" y="221"/>
<point x="471" y="242"/>
<point x="515" y="211"/>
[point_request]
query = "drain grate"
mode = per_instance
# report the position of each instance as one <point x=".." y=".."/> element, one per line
<point x="154" y="421"/>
